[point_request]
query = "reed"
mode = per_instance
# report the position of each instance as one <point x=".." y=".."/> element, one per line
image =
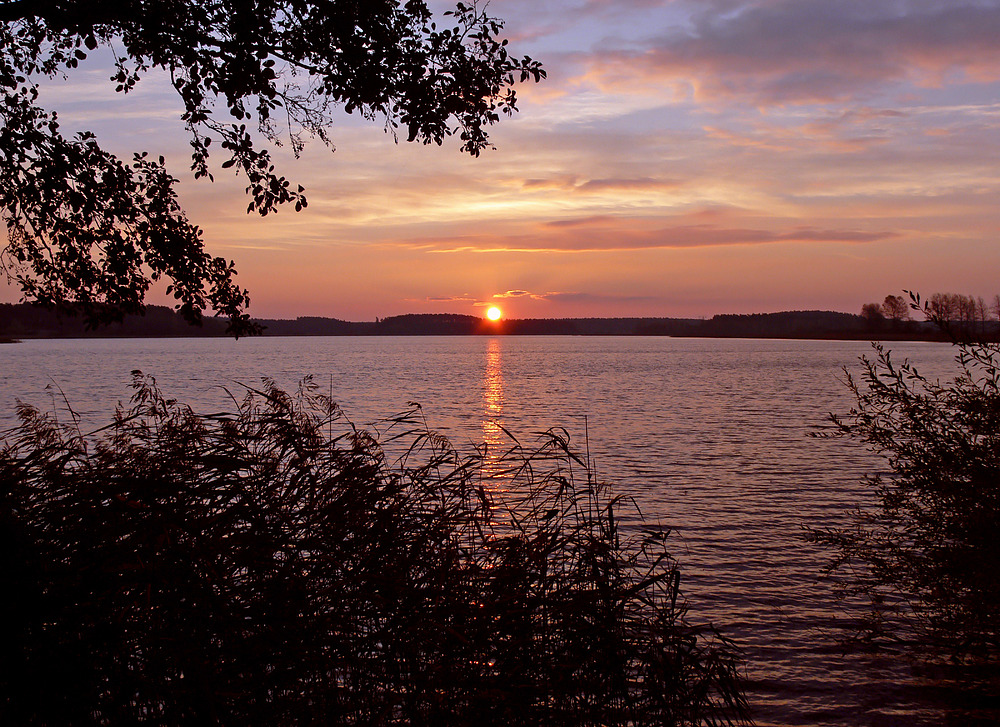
<point x="277" y="565"/>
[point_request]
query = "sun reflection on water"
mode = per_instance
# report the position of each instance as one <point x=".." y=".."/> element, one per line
<point x="493" y="436"/>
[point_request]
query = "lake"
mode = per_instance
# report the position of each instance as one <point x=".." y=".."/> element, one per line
<point x="709" y="435"/>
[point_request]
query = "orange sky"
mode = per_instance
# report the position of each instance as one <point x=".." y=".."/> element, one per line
<point x="683" y="158"/>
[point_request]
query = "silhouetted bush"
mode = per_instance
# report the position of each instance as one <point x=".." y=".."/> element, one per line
<point x="926" y="555"/>
<point x="276" y="566"/>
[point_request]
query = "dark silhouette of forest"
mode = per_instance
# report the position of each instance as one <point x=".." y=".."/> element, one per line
<point x="27" y="321"/>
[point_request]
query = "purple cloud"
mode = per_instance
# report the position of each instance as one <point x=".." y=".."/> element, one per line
<point x="805" y="51"/>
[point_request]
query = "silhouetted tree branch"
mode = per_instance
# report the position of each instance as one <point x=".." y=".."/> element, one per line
<point x="87" y="229"/>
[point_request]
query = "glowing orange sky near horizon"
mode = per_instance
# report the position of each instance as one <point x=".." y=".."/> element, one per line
<point x="683" y="159"/>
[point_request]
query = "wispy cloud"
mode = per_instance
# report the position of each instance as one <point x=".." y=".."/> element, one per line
<point x="616" y="184"/>
<point x="577" y="297"/>
<point x="564" y="297"/>
<point x="604" y="233"/>
<point x="449" y="299"/>
<point x="594" y="221"/>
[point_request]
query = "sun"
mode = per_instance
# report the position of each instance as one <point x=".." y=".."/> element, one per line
<point x="494" y="313"/>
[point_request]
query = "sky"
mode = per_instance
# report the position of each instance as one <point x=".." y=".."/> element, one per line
<point x="683" y="158"/>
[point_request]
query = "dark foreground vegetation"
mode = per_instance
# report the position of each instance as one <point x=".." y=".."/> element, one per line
<point x="277" y="566"/>
<point x="925" y="555"/>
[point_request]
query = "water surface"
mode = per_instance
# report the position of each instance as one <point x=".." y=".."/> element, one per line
<point x="710" y="436"/>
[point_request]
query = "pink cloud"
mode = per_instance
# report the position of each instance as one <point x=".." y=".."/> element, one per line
<point x="610" y="184"/>
<point x="593" y="221"/>
<point x="626" y="184"/>
<point x="598" y="234"/>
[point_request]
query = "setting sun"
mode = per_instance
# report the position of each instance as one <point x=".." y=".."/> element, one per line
<point x="494" y="313"/>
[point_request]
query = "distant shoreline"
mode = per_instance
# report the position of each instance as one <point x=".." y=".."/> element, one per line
<point x="139" y="336"/>
<point x="23" y="321"/>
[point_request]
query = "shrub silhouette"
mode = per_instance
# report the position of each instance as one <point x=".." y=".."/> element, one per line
<point x="926" y="555"/>
<point x="278" y="566"/>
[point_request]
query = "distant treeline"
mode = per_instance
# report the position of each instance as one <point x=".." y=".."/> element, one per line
<point x="27" y="321"/>
<point x="24" y="320"/>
